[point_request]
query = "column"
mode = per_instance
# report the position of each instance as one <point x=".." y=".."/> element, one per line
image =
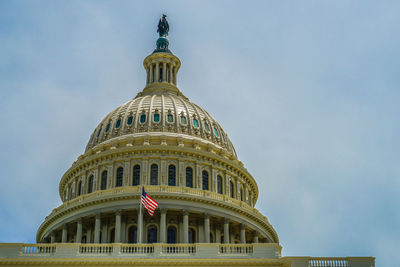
<point x="226" y="231"/>
<point x="242" y="233"/>
<point x="170" y="73"/>
<point x="117" y="238"/>
<point x="151" y="79"/>
<point x="255" y="237"/>
<point x="148" y="75"/>
<point x="64" y="234"/>
<point x="89" y="235"/>
<point x="52" y="237"/>
<point x="140" y="226"/>
<point x="164" y="72"/>
<point x="104" y="231"/>
<point x="206" y="228"/>
<point x="123" y="229"/>
<point x="185" y="227"/>
<point x="163" y="226"/>
<point x="79" y="231"/>
<point x="217" y="235"/>
<point x="157" y="76"/>
<point x="97" y="223"/>
<point x="174" y="78"/>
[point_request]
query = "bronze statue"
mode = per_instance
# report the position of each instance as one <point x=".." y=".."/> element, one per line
<point x="163" y="26"/>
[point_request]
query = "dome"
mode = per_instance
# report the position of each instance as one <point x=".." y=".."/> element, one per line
<point x="164" y="113"/>
<point x="161" y="143"/>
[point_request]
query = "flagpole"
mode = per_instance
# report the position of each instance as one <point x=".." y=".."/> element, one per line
<point x="140" y="220"/>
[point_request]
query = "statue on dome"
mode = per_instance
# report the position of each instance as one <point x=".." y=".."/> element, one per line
<point x="163" y="26"/>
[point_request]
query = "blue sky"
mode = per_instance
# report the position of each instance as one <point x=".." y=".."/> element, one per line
<point x="308" y="92"/>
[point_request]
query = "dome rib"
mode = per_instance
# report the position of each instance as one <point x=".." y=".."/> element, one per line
<point x="162" y="102"/>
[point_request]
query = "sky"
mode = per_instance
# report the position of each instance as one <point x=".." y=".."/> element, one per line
<point x="308" y="92"/>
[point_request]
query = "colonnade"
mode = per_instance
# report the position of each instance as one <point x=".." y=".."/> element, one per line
<point x="161" y="72"/>
<point x="223" y="231"/>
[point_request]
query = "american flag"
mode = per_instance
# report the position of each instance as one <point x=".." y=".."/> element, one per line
<point x="149" y="203"/>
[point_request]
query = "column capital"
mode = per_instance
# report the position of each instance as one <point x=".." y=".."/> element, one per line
<point x="97" y="215"/>
<point x="163" y="210"/>
<point x="207" y="215"/>
<point x="118" y="212"/>
<point x="185" y="212"/>
<point x="242" y="226"/>
<point x="226" y="220"/>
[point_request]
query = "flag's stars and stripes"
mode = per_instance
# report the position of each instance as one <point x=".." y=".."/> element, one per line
<point x="149" y="203"/>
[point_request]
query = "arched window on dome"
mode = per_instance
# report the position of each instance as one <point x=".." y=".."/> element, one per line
<point x="189" y="177"/>
<point x="170" y="118"/>
<point x="79" y="188"/>
<point x="183" y="119"/>
<point x="156" y="117"/>
<point x="129" y="120"/>
<point x="192" y="236"/>
<point x="108" y="127"/>
<point x="171" y="175"/>
<point x="120" y="174"/>
<point x="231" y="189"/>
<point x="90" y="185"/>
<point x="99" y="132"/>
<point x="154" y="174"/>
<point x="142" y="118"/>
<point x="152" y="235"/>
<point x="219" y="184"/>
<point x="136" y="175"/>
<point x="195" y="123"/>
<point x="132" y="235"/>
<point x="171" y="235"/>
<point x="104" y="180"/>
<point x="118" y="124"/>
<point x="205" y="180"/>
<point x="206" y="126"/>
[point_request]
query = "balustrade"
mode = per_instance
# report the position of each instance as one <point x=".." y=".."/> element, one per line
<point x="38" y="249"/>
<point x="235" y="249"/>
<point x="328" y="262"/>
<point x="96" y="249"/>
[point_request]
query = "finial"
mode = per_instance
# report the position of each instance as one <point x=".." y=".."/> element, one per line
<point x="163" y="26"/>
<point x="163" y="29"/>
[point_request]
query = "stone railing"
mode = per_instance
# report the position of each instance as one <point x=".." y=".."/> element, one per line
<point x="95" y="248"/>
<point x="330" y="261"/>
<point x="157" y="250"/>
<point x="178" y="249"/>
<point x="137" y="248"/>
<point x="236" y="249"/>
<point x="36" y="249"/>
